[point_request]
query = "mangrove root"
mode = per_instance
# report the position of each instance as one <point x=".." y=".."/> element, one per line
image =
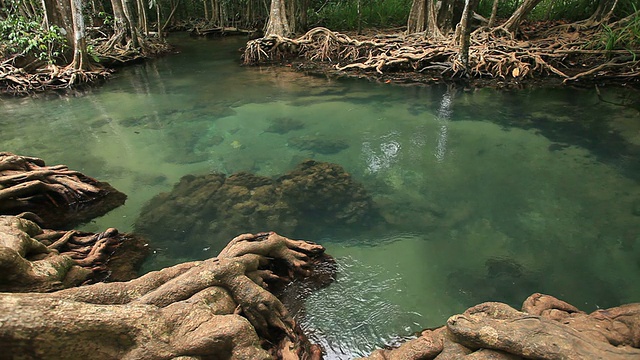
<point x="547" y="328"/>
<point x="218" y="308"/>
<point x="492" y="54"/>
<point x="36" y="260"/>
<point x="60" y="197"/>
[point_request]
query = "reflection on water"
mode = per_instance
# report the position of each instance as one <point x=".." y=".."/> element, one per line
<point x="486" y="195"/>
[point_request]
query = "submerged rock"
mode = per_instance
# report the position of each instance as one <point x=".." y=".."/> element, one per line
<point x="318" y="144"/>
<point x="202" y="211"/>
<point x="283" y="125"/>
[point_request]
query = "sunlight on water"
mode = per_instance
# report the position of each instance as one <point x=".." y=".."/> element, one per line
<point x="486" y="195"/>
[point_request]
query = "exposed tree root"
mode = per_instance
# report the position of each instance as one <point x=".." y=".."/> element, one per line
<point x="118" y="49"/>
<point x="493" y="54"/>
<point x="36" y="260"/>
<point x="17" y="81"/>
<point x="546" y="328"/>
<point x="59" y="196"/>
<point x="216" y="309"/>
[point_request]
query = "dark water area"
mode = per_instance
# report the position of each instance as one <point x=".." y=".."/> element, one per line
<point x="487" y="195"/>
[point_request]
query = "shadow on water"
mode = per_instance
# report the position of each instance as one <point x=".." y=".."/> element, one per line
<point x="482" y="195"/>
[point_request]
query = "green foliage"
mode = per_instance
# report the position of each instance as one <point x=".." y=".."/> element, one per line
<point x="27" y="37"/>
<point x="623" y="37"/>
<point x="107" y="19"/>
<point x="343" y="14"/>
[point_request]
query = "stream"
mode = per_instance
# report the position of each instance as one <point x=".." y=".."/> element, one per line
<point x="509" y="192"/>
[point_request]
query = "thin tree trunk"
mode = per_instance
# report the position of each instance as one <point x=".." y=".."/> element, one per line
<point x="304" y="7"/>
<point x="494" y="13"/>
<point x="159" y="22"/>
<point x="173" y="11"/>
<point x="206" y="10"/>
<point x="464" y="40"/>
<point x="132" y="24"/>
<point x="359" y="17"/>
<point x="513" y="23"/>
<point x="80" y="57"/>
<point x="433" y="30"/>
<point x="142" y="12"/>
<point x="445" y="16"/>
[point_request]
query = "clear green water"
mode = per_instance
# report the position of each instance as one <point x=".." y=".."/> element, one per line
<point x="495" y="195"/>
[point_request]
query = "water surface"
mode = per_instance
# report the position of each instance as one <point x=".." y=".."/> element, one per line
<point x="492" y="195"/>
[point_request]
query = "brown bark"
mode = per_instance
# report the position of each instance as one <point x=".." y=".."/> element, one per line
<point x="278" y="23"/>
<point x="417" y="17"/>
<point x="497" y="326"/>
<point x="513" y="23"/>
<point x="464" y="34"/>
<point x="81" y="60"/>
<point x="59" y="196"/>
<point x="445" y="16"/>
<point x="494" y="13"/>
<point x="423" y="18"/>
<point x="36" y="260"/>
<point x="547" y="328"/>
<point x="217" y="308"/>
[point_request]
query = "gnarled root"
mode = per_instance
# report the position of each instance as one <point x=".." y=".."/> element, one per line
<point x="59" y="196"/>
<point x="547" y="328"/>
<point x="36" y="260"/>
<point x="217" y="308"/>
<point x="493" y="53"/>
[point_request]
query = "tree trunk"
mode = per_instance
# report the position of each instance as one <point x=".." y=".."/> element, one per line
<point x="131" y="21"/>
<point x="422" y="17"/>
<point x="513" y="23"/>
<point x="445" y="16"/>
<point x="304" y="7"/>
<point x="215" y="309"/>
<point x="494" y="13"/>
<point x="59" y="13"/>
<point x="81" y="60"/>
<point x="417" y="17"/>
<point x="278" y="24"/>
<point x="292" y="16"/>
<point x="464" y="33"/>
<point x="603" y="12"/>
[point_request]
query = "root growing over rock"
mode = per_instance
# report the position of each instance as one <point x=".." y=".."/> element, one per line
<point x="60" y="197"/>
<point x="219" y="308"/>
<point x="546" y="328"/>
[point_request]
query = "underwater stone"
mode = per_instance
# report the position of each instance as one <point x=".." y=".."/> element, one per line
<point x="318" y="144"/>
<point x="203" y="211"/>
<point x="283" y="125"/>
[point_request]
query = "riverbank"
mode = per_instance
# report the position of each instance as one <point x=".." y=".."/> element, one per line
<point x="548" y="54"/>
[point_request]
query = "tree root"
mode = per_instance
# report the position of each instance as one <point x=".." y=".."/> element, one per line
<point x="59" y="196"/>
<point x="18" y="82"/>
<point x="36" y="260"/>
<point x="217" y="308"/>
<point x="493" y="53"/>
<point x="547" y="328"/>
